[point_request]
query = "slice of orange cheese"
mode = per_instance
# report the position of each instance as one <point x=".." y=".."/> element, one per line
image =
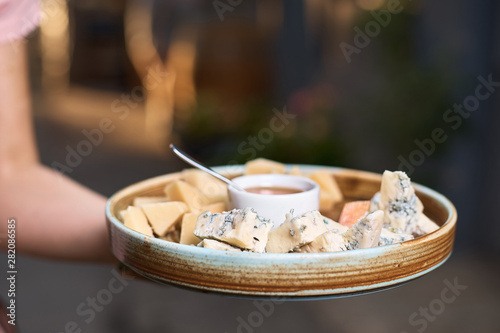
<point x="353" y="211"/>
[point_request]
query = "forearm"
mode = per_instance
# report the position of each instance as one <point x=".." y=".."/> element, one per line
<point x="55" y="216"/>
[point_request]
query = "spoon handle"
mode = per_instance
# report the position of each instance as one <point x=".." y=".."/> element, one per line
<point x="203" y="167"/>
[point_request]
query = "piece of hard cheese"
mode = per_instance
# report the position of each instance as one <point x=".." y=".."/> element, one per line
<point x="164" y="215"/>
<point x="263" y="166"/>
<point x="121" y="214"/>
<point x="295" y="171"/>
<point x="329" y="190"/>
<point x="135" y="219"/>
<point x="216" y="207"/>
<point x="212" y="188"/>
<point x="179" y="190"/>
<point x="139" y="201"/>
<point x="295" y="232"/>
<point x="173" y="235"/>
<point x="187" y="227"/>
<point x="240" y="227"/>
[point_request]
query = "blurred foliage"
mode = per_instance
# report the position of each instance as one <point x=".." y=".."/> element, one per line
<point x="206" y="138"/>
<point x="406" y="103"/>
<point x="417" y="96"/>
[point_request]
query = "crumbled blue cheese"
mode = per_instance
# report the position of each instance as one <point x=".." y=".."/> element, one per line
<point x="425" y="226"/>
<point x="240" y="227"/>
<point x="366" y="232"/>
<point x="389" y="237"/>
<point x="329" y="241"/>
<point x="216" y="245"/>
<point x="375" y="202"/>
<point x="336" y="227"/>
<point x="296" y="232"/>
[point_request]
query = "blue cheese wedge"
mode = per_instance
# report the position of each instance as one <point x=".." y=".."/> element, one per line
<point x="216" y="245"/>
<point x="366" y="232"/>
<point x="399" y="202"/>
<point x="329" y="241"/>
<point x="240" y="227"/>
<point x="375" y="202"/>
<point x="388" y="237"/>
<point x="425" y="226"/>
<point x="336" y="227"/>
<point x="296" y="232"/>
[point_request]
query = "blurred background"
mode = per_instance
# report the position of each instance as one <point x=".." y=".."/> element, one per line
<point x="361" y="84"/>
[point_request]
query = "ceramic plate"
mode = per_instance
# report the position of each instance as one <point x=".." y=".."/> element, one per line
<point x="290" y="275"/>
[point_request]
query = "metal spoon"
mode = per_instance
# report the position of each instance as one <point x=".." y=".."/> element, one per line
<point x="200" y="166"/>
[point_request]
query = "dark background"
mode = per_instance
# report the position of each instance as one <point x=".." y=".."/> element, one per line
<point x="366" y="113"/>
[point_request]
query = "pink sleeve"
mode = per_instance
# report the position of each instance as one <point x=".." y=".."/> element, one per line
<point x="17" y="19"/>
